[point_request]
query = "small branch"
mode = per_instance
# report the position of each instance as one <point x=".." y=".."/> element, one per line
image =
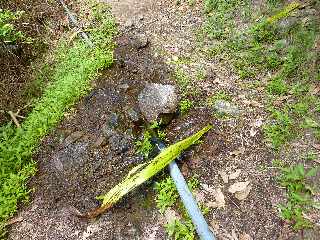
<point x="14" y="220"/>
<point x="13" y="116"/>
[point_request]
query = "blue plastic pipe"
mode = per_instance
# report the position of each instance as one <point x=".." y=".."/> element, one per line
<point x="188" y="201"/>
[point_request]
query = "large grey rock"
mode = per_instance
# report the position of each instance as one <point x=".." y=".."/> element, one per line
<point x="156" y="99"/>
<point x="139" y="41"/>
<point x="225" y="107"/>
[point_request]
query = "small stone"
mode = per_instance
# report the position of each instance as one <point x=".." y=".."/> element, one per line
<point x="123" y="87"/>
<point x="113" y="120"/>
<point x="140" y="41"/>
<point x="119" y="143"/>
<point x="225" y="107"/>
<point x="129" y="23"/>
<point x="156" y="99"/>
<point x="170" y="215"/>
<point x="133" y="115"/>
<point x="73" y="137"/>
<point x="241" y="190"/>
<point x="107" y="131"/>
<point x="235" y="174"/>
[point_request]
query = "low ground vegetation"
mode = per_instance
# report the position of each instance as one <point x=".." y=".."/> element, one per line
<point x="275" y="48"/>
<point x="75" y="66"/>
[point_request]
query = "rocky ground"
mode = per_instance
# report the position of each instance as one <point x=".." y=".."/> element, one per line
<point x="93" y="148"/>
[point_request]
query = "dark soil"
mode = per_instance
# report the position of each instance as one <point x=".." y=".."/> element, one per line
<point x="42" y="21"/>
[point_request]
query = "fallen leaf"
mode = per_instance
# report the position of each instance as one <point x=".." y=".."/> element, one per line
<point x="235" y="174"/>
<point x="224" y="176"/>
<point x="215" y="225"/>
<point x="316" y="90"/>
<point x="234" y="235"/>
<point x="242" y="195"/>
<point x="219" y="199"/>
<point x="170" y="215"/>
<point x="207" y="188"/>
<point x="253" y="132"/>
<point x="252" y="103"/>
<point x="238" y="186"/>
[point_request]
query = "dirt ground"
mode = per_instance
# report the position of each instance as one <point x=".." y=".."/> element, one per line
<point x="43" y="22"/>
<point x="76" y="164"/>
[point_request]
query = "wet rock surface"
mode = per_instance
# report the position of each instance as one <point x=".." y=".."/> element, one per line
<point x="156" y="99"/>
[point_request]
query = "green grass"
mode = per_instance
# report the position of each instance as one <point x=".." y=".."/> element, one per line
<point x="75" y="67"/>
<point x="299" y="194"/>
<point x="220" y="95"/>
<point x="280" y="130"/>
<point x="180" y="230"/>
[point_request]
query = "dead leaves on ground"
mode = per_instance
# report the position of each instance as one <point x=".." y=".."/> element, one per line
<point x="240" y="190"/>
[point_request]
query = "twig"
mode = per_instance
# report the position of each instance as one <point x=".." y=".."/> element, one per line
<point x="14" y="220"/>
<point x="13" y="116"/>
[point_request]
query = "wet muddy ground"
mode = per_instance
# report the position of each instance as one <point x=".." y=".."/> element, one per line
<point x="93" y="148"/>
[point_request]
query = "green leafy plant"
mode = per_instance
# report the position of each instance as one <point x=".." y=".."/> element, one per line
<point x="280" y="129"/>
<point x="185" y="105"/>
<point x="220" y="95"/>
<point x="167" y="194"/>
<point x="183" y="80"/>
<point x="180" y="230"/>
<point x="299" y="193"/>
<point x="144" y="147"/>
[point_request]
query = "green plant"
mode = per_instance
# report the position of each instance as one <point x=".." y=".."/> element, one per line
<point x="277" y="86"/>
<point x="145" y="146"/>
<point x="185" y="105"/>
<point x="180" y="230"/>
<point x="220" y="95"/>
<point x="193" y="183"/>
<point x="280" y="129"/>
<point x="167" y="194"/>
<point x="311" y="156"/>
<point x="183" y="80"/>
<point x="299" y="193"/>
<point x="8" y="32"/>
<point x="75" y="67"/>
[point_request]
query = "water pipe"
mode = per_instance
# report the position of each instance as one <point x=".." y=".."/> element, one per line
<point x="188" y="201"/>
